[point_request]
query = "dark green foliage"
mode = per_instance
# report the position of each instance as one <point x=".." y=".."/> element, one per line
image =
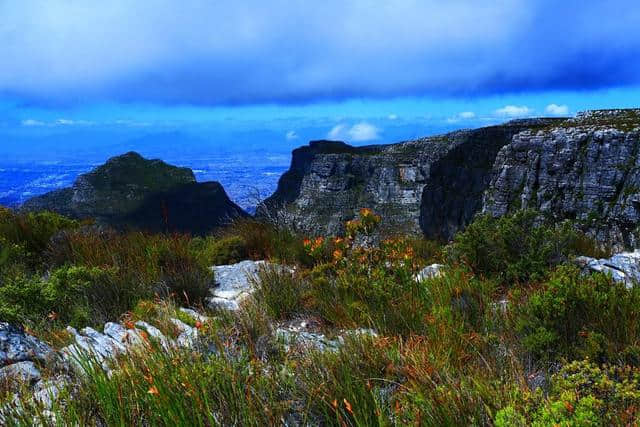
<point x="72" y="295"/>
<point x="219" y="251"/>
<point x="576" y="316"/>
<point x="24" y="237"/>
<point x="517" y="248"/>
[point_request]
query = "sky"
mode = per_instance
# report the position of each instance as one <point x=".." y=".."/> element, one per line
<point x="90" y="78"/>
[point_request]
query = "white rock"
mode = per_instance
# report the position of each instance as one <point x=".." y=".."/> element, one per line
<point x="430" y="272"/>
<point x="623" y="267"/>
<point x="24" y="372"/>
<point x="154" y="333"/>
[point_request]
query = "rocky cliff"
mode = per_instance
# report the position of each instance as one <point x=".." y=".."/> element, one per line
<point x="129" y="191"/>
<point x="586" y="169"/>
<point x="432" y="185"/>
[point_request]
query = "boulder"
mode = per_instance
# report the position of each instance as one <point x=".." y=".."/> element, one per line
<point x="18" y="346"/>
<point x="623" y="267"/>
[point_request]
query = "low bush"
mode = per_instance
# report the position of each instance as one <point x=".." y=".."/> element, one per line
<point x="517" y="248"/>
<point x="581" y="393"/>
<point x="575" y="316"/>
<point x="219" y="250"/>
<point x="282" y="292"/>
<point x="164" y="264"/>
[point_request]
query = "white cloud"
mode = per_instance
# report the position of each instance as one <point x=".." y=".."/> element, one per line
<point x="337" y="132"/>
<point x="557" y="110"/>
<point x="465" y="115"/>
<point x="359" y="132"/>
<point x="363" y="132"/>
<point x="32" y="122"/>
<point x="392" y="117"/>
<point x="291" y="135"/>
<point x="513" y="111"/>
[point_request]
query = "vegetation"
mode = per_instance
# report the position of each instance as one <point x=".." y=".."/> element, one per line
<point x="511" y="334"/>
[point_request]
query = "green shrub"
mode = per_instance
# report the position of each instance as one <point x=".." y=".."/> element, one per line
<point x="31" y="233"/>
<point x="219" y="251"/>
<point x="160" y="262"/>
<point x="572" y="315"/>
<point x="582" y="393"/>
<point x="516" y="248"/>
<point x="282" y="292"/>
<point x="78" y="296"/>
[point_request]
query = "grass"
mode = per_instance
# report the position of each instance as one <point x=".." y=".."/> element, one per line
<point x="445" y="352"/>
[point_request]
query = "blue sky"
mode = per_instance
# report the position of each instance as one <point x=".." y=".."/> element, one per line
<point x="254" y="74"/>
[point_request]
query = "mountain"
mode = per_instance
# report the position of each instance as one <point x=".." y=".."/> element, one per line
<point x="584" y="168"/>
<point x="129" y="191"/>
<point x="432" y="185"/>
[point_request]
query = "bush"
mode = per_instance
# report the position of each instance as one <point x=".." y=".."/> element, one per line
<point x="219" y="251"/>
<point x="573" y="315"/>
<point x="516" y="248"/>
<point x="27" y="235"/>
<point x="282" y="292"/>
<point x="582" y="393"/>
<point x="72" y="295"/>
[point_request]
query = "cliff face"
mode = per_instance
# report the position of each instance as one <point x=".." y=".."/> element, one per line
<point x="432" y="185"/>
<point x="129" y="191"/>
<point x="585" y="169"/>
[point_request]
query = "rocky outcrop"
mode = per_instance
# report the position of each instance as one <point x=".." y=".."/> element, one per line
<point x="432" y="185"/>
<point x="585" y="169"/>
<point x="623" y="267"/>
<point x="129" y="191"/>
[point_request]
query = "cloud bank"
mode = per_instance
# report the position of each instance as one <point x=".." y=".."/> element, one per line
<point x="249" y="52"/>
<point x="359" y="132"/>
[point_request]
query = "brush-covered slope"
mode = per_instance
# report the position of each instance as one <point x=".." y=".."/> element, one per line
<point x="131" y="191"/>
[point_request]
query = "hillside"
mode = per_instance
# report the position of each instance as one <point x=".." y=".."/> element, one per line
<point x="129" y="191"/>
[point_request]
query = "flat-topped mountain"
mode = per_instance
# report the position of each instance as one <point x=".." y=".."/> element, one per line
<point x="432" y="185"/>
<point x="584" y="168"/>
<point x="131" y="191"/>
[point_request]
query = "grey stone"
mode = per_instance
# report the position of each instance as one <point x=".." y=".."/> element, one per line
<point x="233" y="283"/>
<point x="430" y="272"/>
<point x="23" y="372"/>
<point x="154" y="333"/>
<point x="623" y="267"/>
<point x="18" y="346"/>
<point x="188" y="336"/>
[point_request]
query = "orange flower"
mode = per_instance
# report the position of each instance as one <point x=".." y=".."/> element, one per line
<point x="319" y="241"/>
<point x="338" y="240"/>
<point x="347" y="406"/>
<point x="337" y="254"/>
<point x="153" y="390"/>
<point x="365" y="212"/>
<point x="306" y="242"/>
<point x="129" y="324"/>
<point x="335" y="403"/>
<point x="198" y="324"/>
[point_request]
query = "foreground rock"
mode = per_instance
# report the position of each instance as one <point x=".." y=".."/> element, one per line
<point x="235" y="282"/>
<point x="18" y="346"/>
<point x="585" y="169"/>
<point x="623" y="267"/>
<point x="130" y="191"/>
